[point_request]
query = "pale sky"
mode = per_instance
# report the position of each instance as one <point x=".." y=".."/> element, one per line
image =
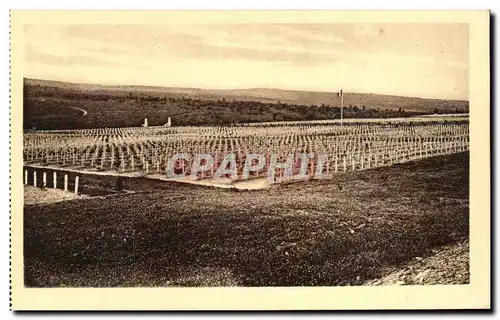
<point x="425" y="60"/>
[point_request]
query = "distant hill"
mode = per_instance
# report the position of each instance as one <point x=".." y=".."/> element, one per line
<point x="276" y="95"/>
<point x="62" y="105"/>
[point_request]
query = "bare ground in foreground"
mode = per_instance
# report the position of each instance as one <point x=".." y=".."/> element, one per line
<point x="349" y="230"/>
<point x="34" y="195"/>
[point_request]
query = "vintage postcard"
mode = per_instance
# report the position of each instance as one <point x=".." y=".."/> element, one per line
<point x="250" y="160"/>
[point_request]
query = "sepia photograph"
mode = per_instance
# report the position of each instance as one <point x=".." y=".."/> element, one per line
<point x="254" y="153"/>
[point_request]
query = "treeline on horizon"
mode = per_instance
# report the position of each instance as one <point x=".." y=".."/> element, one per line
<point x="48" y="107"/>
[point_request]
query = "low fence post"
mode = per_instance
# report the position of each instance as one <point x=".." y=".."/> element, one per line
<point x="54" y="179"/>
<point x="66" y="182"/>
<point x="77" y="179"/>
<point x="44" y="183"/>
<point x="26" y="177"/>
<point x="34" y="178"/>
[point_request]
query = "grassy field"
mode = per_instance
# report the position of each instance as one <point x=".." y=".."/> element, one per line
<point x="51" y="105"/>
<point x="344" y="231"/>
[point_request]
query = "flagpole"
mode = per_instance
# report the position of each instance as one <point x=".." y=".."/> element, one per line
<point x="341" y="106"/>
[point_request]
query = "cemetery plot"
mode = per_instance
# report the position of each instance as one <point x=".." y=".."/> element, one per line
<point x="332" y="148"/>
<point x="380" y="208"/>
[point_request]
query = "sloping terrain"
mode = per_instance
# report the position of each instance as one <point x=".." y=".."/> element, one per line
<point x="60" y="105"/>
<point x="344" y="231"/>
<point x="272" y="95"/>
<point x="445" y="265"/>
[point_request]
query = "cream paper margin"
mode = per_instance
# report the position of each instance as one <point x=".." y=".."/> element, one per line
<point x="474" y="295"/>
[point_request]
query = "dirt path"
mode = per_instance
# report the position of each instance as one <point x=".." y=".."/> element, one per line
<point x="84" y="112"/>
